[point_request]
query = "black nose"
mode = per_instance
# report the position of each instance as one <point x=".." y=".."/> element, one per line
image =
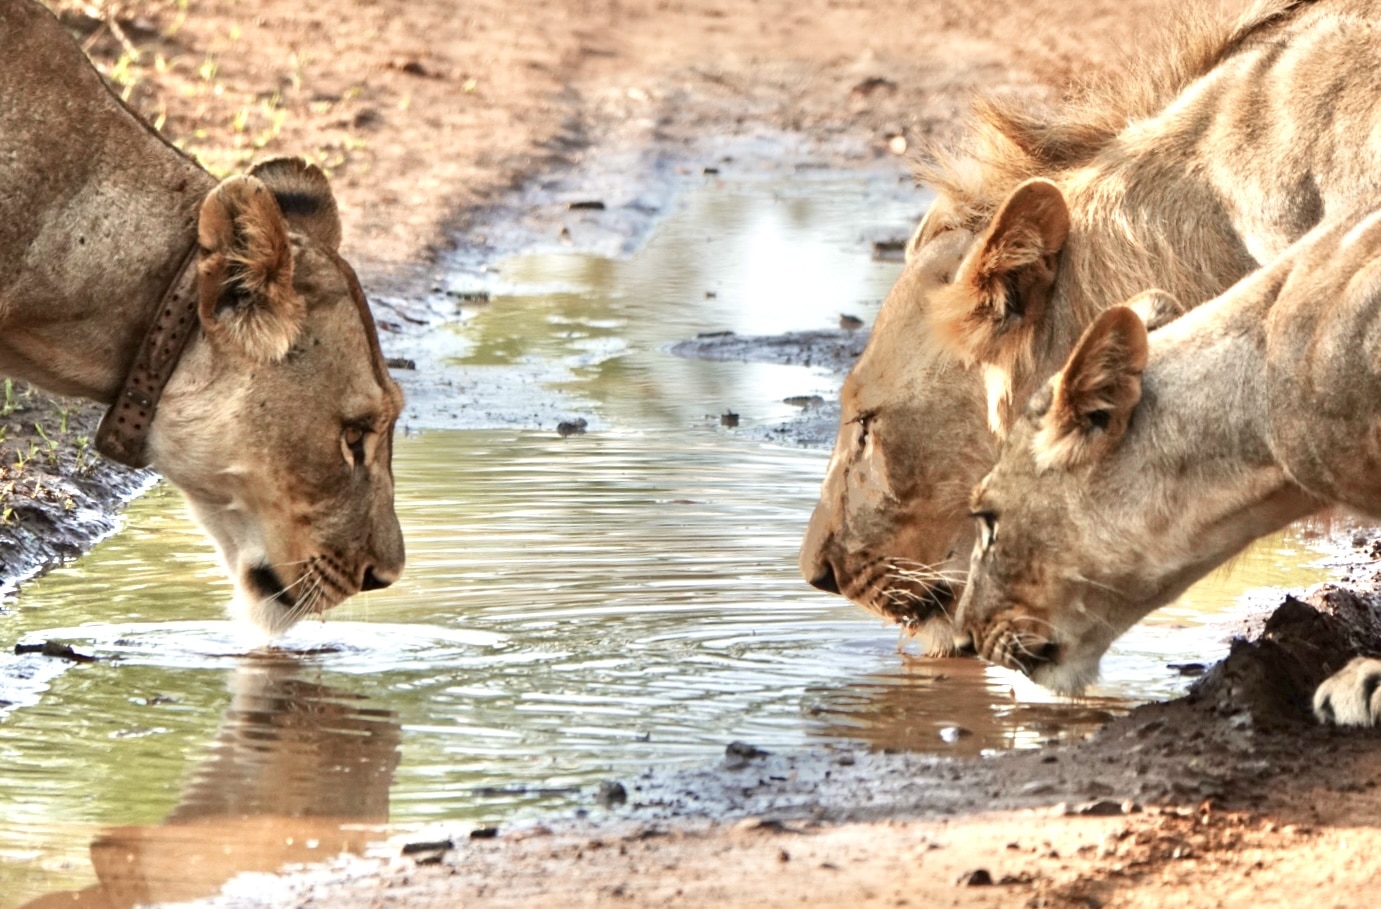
<point x="372" y="581"/>
<point x="826" y="580"/>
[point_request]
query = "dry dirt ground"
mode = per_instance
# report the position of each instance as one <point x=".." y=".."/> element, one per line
<point x="429" y="113"/>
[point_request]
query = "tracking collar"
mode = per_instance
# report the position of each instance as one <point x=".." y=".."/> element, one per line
<point x="123" y="435"/>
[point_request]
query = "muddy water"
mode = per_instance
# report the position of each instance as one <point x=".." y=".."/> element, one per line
<point x="575" y="609"/>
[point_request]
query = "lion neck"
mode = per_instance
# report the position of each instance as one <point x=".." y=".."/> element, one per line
<point x="92" y="231"/>
<point x="1140" y="222"/>
<point x="1140" y="217"/>
<point x="1202" y="432"/>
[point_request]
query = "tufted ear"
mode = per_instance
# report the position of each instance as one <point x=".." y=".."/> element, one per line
<point x="1093" y="397"/>
<point x="304" y="197"/>
<point x="245" y="276"/>
<point x="1157" y="308"/>
<point x="1002" y="287"/>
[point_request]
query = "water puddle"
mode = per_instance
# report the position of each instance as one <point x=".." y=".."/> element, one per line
<point x="575" y="609"/>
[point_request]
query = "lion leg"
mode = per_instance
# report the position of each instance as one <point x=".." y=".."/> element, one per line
<point x="1351" y="696"/>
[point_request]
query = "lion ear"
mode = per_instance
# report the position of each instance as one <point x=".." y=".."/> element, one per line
<point x="304" y="197"/>
<point x="1005" y="280"/>
<point x="245" y="275"/>
<point x="937" y="219"/>
<point x="1092" y="399"/>
<point x="1157" y="308"/>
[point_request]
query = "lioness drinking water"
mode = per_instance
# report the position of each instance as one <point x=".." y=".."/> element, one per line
<point x="218" y="320"/>
<point x="1149" y="460"/>
<point x="1187" y="171"/>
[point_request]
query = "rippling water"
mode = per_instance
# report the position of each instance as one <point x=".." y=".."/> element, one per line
<point x="574" y="610"/>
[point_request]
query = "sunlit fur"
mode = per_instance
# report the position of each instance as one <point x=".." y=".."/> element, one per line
<point x="1258" y="408"/>
<point x="262" y="462"/>
<point x="98" y="213"/>
<point x="1089" y="400"/>
<point x="1352" y="695"/>
<point x="1126" y="155"/>
<point x="1185" y="170"/>
<point x="246" y="271"/>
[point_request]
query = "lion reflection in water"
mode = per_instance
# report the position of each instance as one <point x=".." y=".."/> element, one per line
<point x="297" y="773"/>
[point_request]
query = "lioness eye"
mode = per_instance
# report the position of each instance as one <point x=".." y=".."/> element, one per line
<point x="987" y="529"/>
<point x="352" y="440"/>
<point x="862" y="420"/>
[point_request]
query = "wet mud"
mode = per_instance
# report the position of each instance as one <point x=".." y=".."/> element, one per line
<point x="834" y="351"/>
<point x="1231" y="795"/>
<point x="58" y="497"/>
<point x="1228" y="776"/>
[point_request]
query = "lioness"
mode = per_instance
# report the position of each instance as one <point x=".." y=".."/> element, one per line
<point x="1188" y="175"/>
<point x="127" y="272"/>
<point x="1145" y="463"/>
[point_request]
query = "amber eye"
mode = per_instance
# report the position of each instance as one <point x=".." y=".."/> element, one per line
<point x="863" y="420"/>
<point x="987" y="529"/>
<point x="352" y="441"/>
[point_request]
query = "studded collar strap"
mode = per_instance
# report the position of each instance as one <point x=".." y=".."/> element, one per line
<point x="124" y="431"/>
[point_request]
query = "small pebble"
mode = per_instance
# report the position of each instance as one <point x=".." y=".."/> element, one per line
<point x="567" y="428"/>
<point x="979" y="877"/>
<point x="611" y="793"/>
<point x="952" y="734"/>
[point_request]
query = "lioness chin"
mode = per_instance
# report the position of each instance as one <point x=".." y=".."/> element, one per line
<point x="1150" y="459"/>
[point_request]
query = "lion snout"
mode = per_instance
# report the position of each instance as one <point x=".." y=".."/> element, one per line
<point x="1018" y="640"/>
<point x="821" y="576"/>
<point x="374" y="580"/>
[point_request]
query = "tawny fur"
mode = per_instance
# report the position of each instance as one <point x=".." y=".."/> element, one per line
<point x="1186" y="170"/>
<point x="246" y="271"/>
<point x="286" y="366"/>
<point x="1015" y="142"/>
<point x="1259" y="408"/>
<point x="1102" y="378"/>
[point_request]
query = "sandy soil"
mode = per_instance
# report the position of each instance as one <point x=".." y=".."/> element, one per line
<point x="430" y="115"/>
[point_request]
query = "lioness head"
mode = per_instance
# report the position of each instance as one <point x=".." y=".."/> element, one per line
<point x="1032" y="603"/>
<point x="889" y="531"/>
<point x="916" y="432"/>
<point x="1092" y="517"/>
<point x="983" y="312"/>
<point x="278" y="422"/>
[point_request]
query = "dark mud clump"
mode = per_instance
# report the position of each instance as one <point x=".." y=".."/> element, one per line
<point x="1272" y="678"/>
<point x="57" y="495"/>
<point x="834" y="351"/>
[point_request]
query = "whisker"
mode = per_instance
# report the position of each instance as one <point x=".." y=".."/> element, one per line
<point x="1098" y="585"/>
<point x="931" y="575"/>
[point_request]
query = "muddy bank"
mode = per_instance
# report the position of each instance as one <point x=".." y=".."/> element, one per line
<point x="1183" y="801"/>
<point x="835" y="351"/>
<point x="1242" y="799"/>
<point x="57" y="495"/>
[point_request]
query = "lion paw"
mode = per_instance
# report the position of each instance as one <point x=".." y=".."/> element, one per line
<point x="1351" y="696"/>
